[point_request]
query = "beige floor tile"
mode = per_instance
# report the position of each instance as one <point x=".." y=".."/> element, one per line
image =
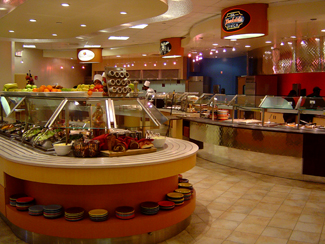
<point x="219" y="206"/>
<point x="217" y="233"/>
<point x="227" y="200"/>
<point x="250" y="228"/>
<point x="238" y="189"/>
<point x="290" y="209"/>
<point x="230" y="194"/>
<point x="252" y="197"/>
<point x="215" y="213"/>
<point x="246" y="202"/>
<point x="277" y="232"/>
<point x="277" y="194"/>
<point x="229" y="242"/>
<point x="208" y="240"/>
<point x="299" y="190"/>
<point x="305" y="236"/>
<point x="197" y="230"/>
<point x="257" y="192"/>
<point x="240" y="209"/>
<point x="270" y="240"/>
<point x="313" y="211"/>
<point x="295" y="203"/>
<point x="283" y="223"/>
<point x="272" y="200"/>
<point x="303" y="197"/>
<point x="297" y="242"/>
<point x="183" y="237"/>
<point x="225" y="224"/>
<point x="195" y="219"/>
<point x="315" y="219"/>
<point x="267" y="206"/>
<point x="241" y="237"/>
<point x="281" y="188"/>
<point x="287" y="215"/>
<point x="233" y="216"/>
<point x="262" y="213"/>
<point x="251" y="219"/>
<point x="206" y="217"/>
<point x="309" y="227"/>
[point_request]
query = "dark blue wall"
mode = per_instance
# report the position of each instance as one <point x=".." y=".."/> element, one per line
<point x="230" y="67"/>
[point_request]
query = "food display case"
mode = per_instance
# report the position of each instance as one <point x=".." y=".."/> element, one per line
<point x="187" y="101"/>
<point x="202" y="104"/>
<point x="40" y="120"/>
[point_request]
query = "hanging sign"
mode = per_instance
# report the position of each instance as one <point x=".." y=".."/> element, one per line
<point x="93" y="55"/>
<point x="165" y="47"/>
<point x="235" y="19"/>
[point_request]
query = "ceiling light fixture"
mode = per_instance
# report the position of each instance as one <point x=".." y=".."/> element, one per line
<point x="172" y="56"/>
<point x="65" y="4"/>
<point x="54" y="35"/>
<point x="92" y="46"/>
<point x="118" y="56"/>
<point x="11" y="31"/>
<point x="247" y="46"/>
<point x="217" y="51"/>
<point x="268" y="42"/>
<point x="244" y="36"/>
<point x="29" y="46"/>
<point x="233" y="49"/>
<point x="174" y="63"/>
<point x="144" y="54"/>
<point x="121" y="38"/>
<point x="290" y="43"/>
<point x="211" y="53"/>
<point x="155" y="65"/>
<point x="1" y="9"/>
<point x="189" y="55"/>
<point x="165" y="64"/>
<point x="83" y="25"/>
<point x="282" y="43"/>
<point x="323" y="30"/>
<point x="72" y="67"/>
<point x="224" y="50"/>
<point x="317" y="39"/>
<point x="32" y="20"/>
<point x="215" y="44"/>
<point x="292" y="36"/>
<point x="123" y="12"/>
<point x="142" y="26"/>
<point x="233" y="40"/>
<point x="132" y="65"/>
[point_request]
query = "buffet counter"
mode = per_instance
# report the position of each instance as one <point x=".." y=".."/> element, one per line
<point x="91" y="183"/>
<point x="280" y="151"/>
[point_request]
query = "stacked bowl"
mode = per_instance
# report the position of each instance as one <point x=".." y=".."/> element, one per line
<point x="186" y="185"/>
<point x="166" y="205"/>
<point x="23" y="203"/>
<point x="74" y="214"/>
<point x="186" y="192"/>
<point x="177" y="198"/>
<point x="98" y="215"/>
<point x="149" y="208"/>
<point x="36" y="210"/>
<point x="125" y="212"/>
<point x="53" y="211"/>
<point x="13" y="198"/>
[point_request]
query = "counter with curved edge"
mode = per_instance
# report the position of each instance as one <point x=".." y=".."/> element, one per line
<point x="93" y="183"/>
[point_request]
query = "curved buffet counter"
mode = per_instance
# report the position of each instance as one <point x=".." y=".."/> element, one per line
<point x="92" y="183"/>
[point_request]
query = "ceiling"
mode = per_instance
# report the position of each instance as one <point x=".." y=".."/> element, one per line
<point x="197" y="21"/>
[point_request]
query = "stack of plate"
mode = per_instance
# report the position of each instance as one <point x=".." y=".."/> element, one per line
<point x="74" y="214"/>
<point x="125" y="212"/>
<point x="13" y="199"/>
<point x="183" y="180"/>
<point x="180" y="177"/>
<point x="166" y="205"/>
<point x="186" y="185"/>
<point x="36" y="210"/>
<point x="149" y="208"/>
<point x="23" y="203"/>
<point x="98" y="215"/>
<point x="53" y="211"/>
<point x="186" y="192"/>
<point x="177" y="198"/>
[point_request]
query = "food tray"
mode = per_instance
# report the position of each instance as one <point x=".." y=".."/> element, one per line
<point x="128" y="152"/>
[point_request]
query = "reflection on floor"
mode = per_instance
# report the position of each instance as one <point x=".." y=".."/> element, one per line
<point x="235" y="206"/>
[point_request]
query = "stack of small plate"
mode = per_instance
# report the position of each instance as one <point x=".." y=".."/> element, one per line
<point x="125" y="212"/>
<point x="36" y="210"/>
<point x="166" y="205"/>
<point x="177" y="198"/>
<point x="98" y="215"/>
<point x="53" y="211"/>
<point x="74" y="214"/>
<point x="149" y="208"/>
<point x="183" y="180"/>
<point x="23" y="203"/>
<point x="186" y="185"/>
<point x="13" y="198"/>
<point x="186" y="192"/>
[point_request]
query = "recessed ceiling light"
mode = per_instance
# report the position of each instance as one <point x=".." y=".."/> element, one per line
<point x="172" y="56"/>
<point x="144" y="54"/>
<point x="104" y="31"/>
<point x="247" y="46"/>
<point x="233" y="49"/>
<point x="118" y="56"/>
<point x="290" y="43"/>
<point x="83" y="25"/>
<point x="215" y="44"/>
<point x="32" y="20"/>
<point x="323" y="30"/>
<point x="79" y="37"/>
<point x="233" y="40"/>
<point x="71" y="58"/>
<point x="1" y="9"/>
<point x="65" y="4"/>
<point x="317" y="39"/>
<point x="245" y="36"/>
<point x="29" y="46"/>
<point x="268" y="42"/>
<point x="11" y="31"/>
<point x="123" y="12"/>
<point x="282" y="44"/>
<point x="92" y="46"/>
<point x="118" y="38"/>
<point x="139" y="26"/>
<point x="54" y="35"/>
<point x="293" y="36"/>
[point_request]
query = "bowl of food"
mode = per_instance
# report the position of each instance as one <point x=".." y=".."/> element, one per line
<point x="62" y="149"/>
<point x="158" y="141"/>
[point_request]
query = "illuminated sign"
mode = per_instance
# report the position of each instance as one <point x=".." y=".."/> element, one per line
<point x="86" y="55"/>
<point x="235" y="19"/>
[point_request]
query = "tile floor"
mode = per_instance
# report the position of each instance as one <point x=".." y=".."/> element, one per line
<point x="236" y="206"/>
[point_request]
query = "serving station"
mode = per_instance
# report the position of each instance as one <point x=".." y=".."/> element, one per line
<point x="33" y="168"/>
